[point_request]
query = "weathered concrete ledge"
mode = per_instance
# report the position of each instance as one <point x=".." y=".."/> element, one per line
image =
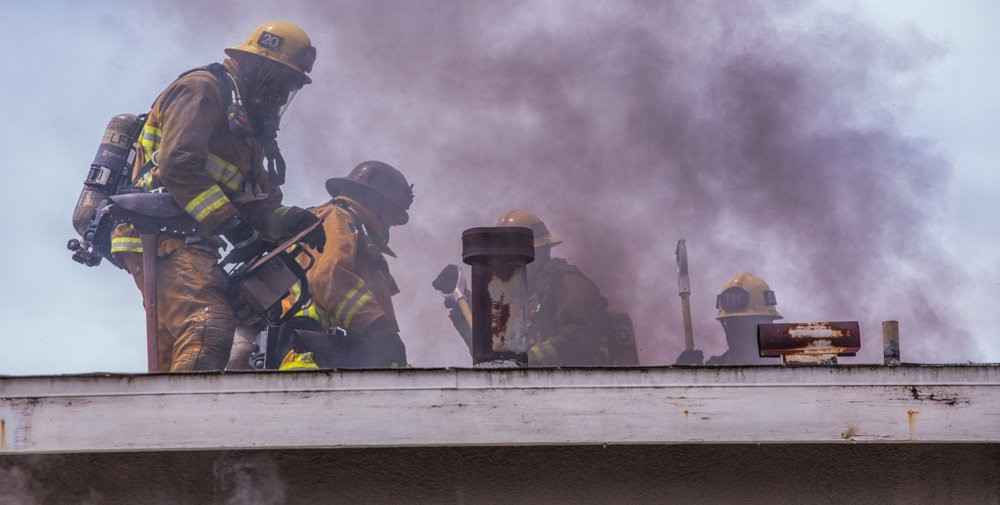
<point x="466" y="407"/>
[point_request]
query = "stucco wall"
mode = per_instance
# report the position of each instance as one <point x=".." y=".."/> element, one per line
<point x="690" y="474"/>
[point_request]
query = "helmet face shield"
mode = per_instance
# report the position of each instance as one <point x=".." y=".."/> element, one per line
<point x="769" y="298"/>
<point x="733" y="299"/>
<point x="288" y="103"/>
<point x="746" y="295"/>
<point x="273" y="94"/>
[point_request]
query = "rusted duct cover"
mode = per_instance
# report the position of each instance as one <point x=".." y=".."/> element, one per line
<point x="809" y="343"/>
<point x="498" y="256"/>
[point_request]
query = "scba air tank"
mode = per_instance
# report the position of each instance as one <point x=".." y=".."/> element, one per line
<point x="110" y="170"/>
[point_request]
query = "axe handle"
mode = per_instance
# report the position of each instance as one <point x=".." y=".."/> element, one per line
<point x="686" y="313"/>
<point x="463" y="305"/>
<point x="463" y="315"/>
<point x="149" y="250"/>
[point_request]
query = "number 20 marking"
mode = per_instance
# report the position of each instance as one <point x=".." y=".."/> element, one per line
<point x="269" y="40"/>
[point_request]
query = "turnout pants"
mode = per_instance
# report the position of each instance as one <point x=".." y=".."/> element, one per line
<point x="196" y="323"/>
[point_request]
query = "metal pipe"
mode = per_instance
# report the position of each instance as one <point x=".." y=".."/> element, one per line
<point x="499" y="292"/>
<point x="684" y="290"/>
<point x="890" y="343"/>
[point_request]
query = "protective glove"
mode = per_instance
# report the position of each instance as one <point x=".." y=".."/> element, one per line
<point x="296" y="219"/>
<point x="451" y="283"/>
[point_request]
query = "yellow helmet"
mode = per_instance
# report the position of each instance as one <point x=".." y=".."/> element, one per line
<point x="746" y="295"/>
<point x="543" y="237"/>
<point x="283" y="42"/>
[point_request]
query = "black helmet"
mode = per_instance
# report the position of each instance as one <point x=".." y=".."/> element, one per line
<point x="378" y="181"/>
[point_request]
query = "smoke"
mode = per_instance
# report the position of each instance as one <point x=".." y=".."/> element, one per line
<point x="28" y="480"/>
<point x="249" y="479"/>
<point x="243" y="478"/>
<point x="765" y="133"/>
<point x="18" y="485"/>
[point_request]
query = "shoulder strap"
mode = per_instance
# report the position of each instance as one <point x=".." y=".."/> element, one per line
<point x="218" y="70"/>
<point x="356" y="225"/>
<point x="366" y="246"/>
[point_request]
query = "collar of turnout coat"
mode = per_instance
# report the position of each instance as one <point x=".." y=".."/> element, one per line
<point x="376" y="230"/>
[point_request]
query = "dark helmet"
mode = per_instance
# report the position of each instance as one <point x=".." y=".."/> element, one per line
<point x="380" y="183"/>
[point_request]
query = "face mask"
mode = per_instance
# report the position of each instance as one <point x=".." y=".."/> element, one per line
<point x="273" y="93"/>
<point x="267" y="120"/>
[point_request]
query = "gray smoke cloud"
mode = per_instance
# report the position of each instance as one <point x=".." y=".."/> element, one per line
<point x="252" y="479"/>
<point x="17" y="484"/>
<point x="765" y="133"/>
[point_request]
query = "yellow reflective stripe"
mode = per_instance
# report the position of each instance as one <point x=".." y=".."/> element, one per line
<point x="343" y="302"/>
<point x="224" y="172"/>
<point x="298" y="361"/>
<point x="365" y="298"/>
<point x="207" y="202"/>
<point x="313" y="313"/>
<point x="280" y="211"/>
<point x="309" y="311"/>
<point x="150" y="139"/>
<point x="151" y="132"/>
<point x="218" y="204"/>
<point x="126" y="244"/>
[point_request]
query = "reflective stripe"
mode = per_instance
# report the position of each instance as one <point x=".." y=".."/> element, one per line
<point x="280" y="211"/>
<point x="150" y="139"/>
<point x="365" y="298"/>
<point x="126" y="244"/>
<point x="150" y="136"/>
<point x="298" y="361"/>
<point x="207" y="202"/>
<point x="343" y="302"/>
<point x="293" y="294"/>
<point x="310" y="310"/>
<point x="224" y="172"/>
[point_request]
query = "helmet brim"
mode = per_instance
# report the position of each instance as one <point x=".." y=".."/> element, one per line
<point x="342" y="186"/>
<point x="242" y="50"/>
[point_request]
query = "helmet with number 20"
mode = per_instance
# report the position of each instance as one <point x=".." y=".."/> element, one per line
<point x="282" y="42"/>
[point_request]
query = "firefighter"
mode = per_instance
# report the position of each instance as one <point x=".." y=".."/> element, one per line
<point x="569" y="323"/>
<point x="350" y="282"/>
<point x="205" y="141"/>
<point x="745" y="301"/>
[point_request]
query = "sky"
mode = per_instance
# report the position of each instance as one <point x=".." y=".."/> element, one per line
<point x="956" y="107"/>
<point x="424" y="86"/>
